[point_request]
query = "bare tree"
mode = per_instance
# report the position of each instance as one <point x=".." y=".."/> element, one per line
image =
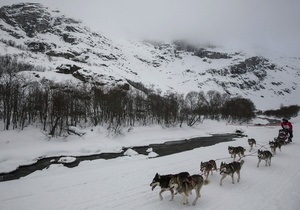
<point x="195" y="103"/>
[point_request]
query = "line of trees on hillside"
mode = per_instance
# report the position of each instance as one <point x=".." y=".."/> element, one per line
<point x="283" y="111"/>
<point x="57" y="107"/>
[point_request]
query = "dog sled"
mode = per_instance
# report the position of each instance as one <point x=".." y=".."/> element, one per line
<point x="283" y="137"/>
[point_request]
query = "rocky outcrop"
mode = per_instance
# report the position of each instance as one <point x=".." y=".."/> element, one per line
<point x="38" y="46"/>
<point x="203" y="53"/>
<point x="36" y="24"/>
<point x="30" y="17"/>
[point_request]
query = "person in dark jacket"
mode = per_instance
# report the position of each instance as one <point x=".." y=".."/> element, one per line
<point x="285" y="124"/>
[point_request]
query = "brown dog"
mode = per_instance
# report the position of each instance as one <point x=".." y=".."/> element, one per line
<point x="208" y="166"/>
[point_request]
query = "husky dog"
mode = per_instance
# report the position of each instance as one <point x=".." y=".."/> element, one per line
<point x="230" y="169"/>
<point x="251" y="142"/>
<point x="208" y="166"/>
<point x="264" y="155"/>
<point x="233" y="151"/>
<point x="184" y="186"/>
<point x="280" y="141"/>
<point x="164" y="180"/>
<point x="274" y="145"/>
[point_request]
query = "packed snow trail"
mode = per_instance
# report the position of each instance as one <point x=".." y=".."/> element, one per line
<point x="123" y="183"/>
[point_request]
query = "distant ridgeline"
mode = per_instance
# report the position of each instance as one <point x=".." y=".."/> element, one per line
<point x="108" y="83"/>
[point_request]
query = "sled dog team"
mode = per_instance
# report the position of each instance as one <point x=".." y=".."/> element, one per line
<point x="183" y="183"/>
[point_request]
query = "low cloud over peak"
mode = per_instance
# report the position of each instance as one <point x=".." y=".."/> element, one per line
<point x="270" y="25"/>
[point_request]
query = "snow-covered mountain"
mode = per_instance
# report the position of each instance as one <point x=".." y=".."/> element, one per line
<point x="64" y="49"/>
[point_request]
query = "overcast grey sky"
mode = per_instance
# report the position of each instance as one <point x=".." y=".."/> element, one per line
<point x="272" y="25"/>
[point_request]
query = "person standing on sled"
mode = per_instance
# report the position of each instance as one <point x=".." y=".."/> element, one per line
<point x="285" y="124"/>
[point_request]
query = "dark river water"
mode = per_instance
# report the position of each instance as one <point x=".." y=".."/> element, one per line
<point x="167" y="148"/>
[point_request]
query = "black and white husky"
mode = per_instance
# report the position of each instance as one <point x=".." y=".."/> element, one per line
<point x="230" y="169"/>
<point x="264" y="155"/>
<point x="184" y="186"/>
<point x="274" y="145"/>
<point x="233" y="151"/>
<point x="251" y="142"/>
<point x="208" y="166"/>
<point x="164" y="182"/>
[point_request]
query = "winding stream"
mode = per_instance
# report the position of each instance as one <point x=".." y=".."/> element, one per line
<point x="167" y="148"/>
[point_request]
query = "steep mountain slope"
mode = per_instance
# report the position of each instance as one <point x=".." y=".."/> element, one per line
<point x="64" y="49"/>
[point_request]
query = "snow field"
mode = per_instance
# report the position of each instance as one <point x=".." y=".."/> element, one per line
<point x="124" y="183"/>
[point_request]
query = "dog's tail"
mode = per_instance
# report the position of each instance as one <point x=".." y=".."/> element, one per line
<point x="205" y="182"/>
<point x="241" y="163"/>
